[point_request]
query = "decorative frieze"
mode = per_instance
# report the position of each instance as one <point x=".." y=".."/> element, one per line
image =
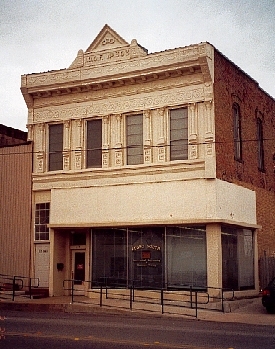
<point x="121" y="104"/>
<point x="162" y="154"/>
<point x="193" y="151"/>
<point x="118" y="158"/>
<point x="105" y="158"/>
<point x="66" y="160"/>
<point x="40" y="160"/>
<point x="147" y="155"/>
<point x="78" y="159"/>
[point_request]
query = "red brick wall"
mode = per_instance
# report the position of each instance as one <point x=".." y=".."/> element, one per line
<point x="232" y="85"/>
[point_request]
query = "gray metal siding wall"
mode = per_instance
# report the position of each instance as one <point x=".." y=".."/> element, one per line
<point x="15" y="209"/>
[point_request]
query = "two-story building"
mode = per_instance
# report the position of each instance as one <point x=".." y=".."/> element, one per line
<point x="149" y="167"/>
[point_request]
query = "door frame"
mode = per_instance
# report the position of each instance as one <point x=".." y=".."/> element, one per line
<point x="79" y="288"/>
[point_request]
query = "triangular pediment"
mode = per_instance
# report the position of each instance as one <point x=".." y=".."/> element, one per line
<point x="107" y="39"/>
<point x="108" y="48"/>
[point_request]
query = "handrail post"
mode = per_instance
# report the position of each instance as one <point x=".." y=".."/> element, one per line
<point x="161" y="299"/>
<point x="191" y="297"/>
<point x="72" y="290"/>
<point x="131" y="299"/>
<point x="100" y="297"/>
<point x="13" y="288"/>
<point x="30" y="287"/>
<point x="196" y="299"/>
<point x="222" y="302"/>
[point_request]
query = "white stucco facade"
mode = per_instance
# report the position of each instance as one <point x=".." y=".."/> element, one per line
<point x="110" y="81"/>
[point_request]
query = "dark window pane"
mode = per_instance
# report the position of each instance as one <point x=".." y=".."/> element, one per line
<point x="109" y="257"/>
<point x="55" y="147"/>
<point x="237" y="132"/>
<point x="94" y="143"/>
<point x="186" y="257"/>
<point x="42" y="216"/>
<point x="179" y="134"/>
<point x="134" y="130"/>
<point x="260" y="140"/>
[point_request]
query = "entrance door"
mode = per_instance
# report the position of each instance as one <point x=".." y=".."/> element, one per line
<point x="42" y="264"/>
<point x="78" y="269"/>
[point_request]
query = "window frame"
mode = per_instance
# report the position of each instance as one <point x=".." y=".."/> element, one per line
<point x="97" y="163"/>
<point x="237" y="132"/>
<point x="40" y="227"/>
<point x="58" y="151"/>
<point x="185" y="141"/>
<point x="137" y="150"/>
<point x="260" y="143"/>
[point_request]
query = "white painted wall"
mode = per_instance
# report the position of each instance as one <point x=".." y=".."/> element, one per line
<point x="167" y="202"/>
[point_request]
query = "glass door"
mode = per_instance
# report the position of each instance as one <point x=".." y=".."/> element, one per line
<point x="78" y="269"/>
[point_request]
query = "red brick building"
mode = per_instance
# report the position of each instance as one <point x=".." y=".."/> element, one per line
<point x="245" y="141"/>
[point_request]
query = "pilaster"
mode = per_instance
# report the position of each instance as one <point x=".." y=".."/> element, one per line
<point x="118" y="146"/>
<point x="161" y="140"/>
<point x="148" y="137"/>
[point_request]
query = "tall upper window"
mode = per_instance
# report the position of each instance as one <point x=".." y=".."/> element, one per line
<point x="237" y="132"/>
<point x="134" y="139"/>
<point x="55" y="147"/>
<point x="94" y="143"/>
<point x="179" y="134"/>
<point x="42" y="214"/>
<point x="260" y="141"/>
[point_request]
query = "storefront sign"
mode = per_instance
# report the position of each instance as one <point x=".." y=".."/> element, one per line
<point x="147" y="246"/>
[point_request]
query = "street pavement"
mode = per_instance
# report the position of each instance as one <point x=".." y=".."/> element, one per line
<point x="248" y="311"/>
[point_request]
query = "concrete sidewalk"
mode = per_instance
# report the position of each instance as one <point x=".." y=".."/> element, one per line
<point x="249" y="311"/>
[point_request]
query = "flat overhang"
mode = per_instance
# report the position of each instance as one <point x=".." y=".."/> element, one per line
<point x="158" y="223"/>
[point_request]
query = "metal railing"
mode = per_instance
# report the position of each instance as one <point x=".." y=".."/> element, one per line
<point x="17" y="285"/>
<point x="184" y="299"/>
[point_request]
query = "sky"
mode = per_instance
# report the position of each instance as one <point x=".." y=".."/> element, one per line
<point x="42" y="35"/>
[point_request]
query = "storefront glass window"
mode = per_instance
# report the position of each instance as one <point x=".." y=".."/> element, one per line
<point x="146" y="257"/>
<point x="186" y="257"/>
<point x="109" y="257"/>
<point x="149" y="257"/>
<point x="237" y="258"/>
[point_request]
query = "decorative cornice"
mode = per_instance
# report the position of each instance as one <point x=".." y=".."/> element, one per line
<point x="167" y="62"/>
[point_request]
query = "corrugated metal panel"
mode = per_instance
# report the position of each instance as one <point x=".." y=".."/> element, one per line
<point x="15" y="209"/>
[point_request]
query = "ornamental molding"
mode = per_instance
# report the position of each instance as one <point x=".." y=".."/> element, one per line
<point x="121" y="105"/>
<point x="152" y="86"/>
<point x="180" y="57"/>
